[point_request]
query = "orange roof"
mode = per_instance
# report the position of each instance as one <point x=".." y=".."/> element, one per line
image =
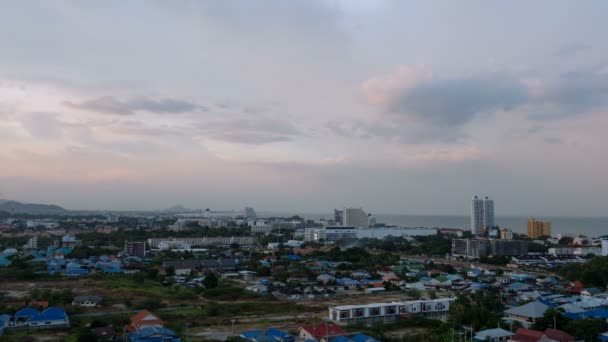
<point x="145" y="317"/>
<point x="39" y="304"/>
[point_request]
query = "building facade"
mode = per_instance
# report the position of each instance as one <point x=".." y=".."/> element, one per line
<point x="355" y="217"/>
<point x="344" y="314"/>
<point x="135" y="248"/>
<point x="477" y="248"/>
<point x="537" y="229"/>
<point x="482" y="214"/>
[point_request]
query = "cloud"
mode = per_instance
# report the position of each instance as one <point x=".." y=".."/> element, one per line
<point x="422" y="98"/>
<point x="254" y="131"/>
<point x="553" y="140"/>
<point x="110" y="105"/>
<point x="572" y="93"/>
<point x="570" y="49"/>
<point x="42" y="125"/>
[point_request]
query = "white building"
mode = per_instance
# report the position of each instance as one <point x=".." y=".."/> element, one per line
<point x="381" y="233"/>
<point x="352" y="313"/>
<point x="604" y="247"/>
<point x="32" y="243"/>
<point x="355" y="217"/>
<point x="482" y="214"/>
<point x="260" y="227"/>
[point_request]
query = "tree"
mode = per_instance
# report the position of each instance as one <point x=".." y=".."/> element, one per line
<point x="170" y="271"/>
<point x="552" y="318"/>
<point x="86" y="335"/>
<point x="210" y="280"/>
<point x="587" y="328"/>
<point x="413" y="293"/>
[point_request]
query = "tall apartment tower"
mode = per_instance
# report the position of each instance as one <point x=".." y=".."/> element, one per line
<point x="482" y="214"/>
<point x="476" y="215"/>
<point x="488" y="213"/>
<point x="354" y="217"/>
<point x="338" y="216"/>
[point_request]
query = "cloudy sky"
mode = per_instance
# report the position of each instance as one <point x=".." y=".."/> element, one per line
<point x="396" y="106"/>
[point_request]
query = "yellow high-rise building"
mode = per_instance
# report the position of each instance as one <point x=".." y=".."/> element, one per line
<point x="537" y="229"/>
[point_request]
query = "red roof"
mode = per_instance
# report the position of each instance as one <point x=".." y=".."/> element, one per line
<point x="558" y="335"/>
<point x="319" y="331"/>
<point x="577" y="286"/>
<point x="142" y="319"/>
<point x="528" y="335"/>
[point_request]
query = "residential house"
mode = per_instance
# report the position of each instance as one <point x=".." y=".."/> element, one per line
<point x="321" y="332"/>
<point x="154" y="334"/>
<point x="144" y="319"/>
<point x="590" y="292"/>
<point x="270" y="335"/>
<point x="526" y="314"/>
<point x="22" y="317"/>
<point x="75" y="269"/>
<point x="88" y="301"/>
<point x="50" y="318"/>
<point x="493" y="335"/>
<point x="183" y="267"/>
<point x="354" y="338"/>
<point x="549" y="335"/>
<point x="104" y="333"/>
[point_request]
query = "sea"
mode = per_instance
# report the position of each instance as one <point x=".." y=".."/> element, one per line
<point x="575" y="225"/>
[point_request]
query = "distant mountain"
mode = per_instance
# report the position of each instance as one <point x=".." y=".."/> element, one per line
<point x="15" y="207"/>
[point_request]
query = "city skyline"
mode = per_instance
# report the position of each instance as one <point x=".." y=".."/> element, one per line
<point x="396" y="107"/>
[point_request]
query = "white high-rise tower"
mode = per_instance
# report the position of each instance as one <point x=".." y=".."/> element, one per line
<point x="482" y="214"/>
<point x="476" y="215"/>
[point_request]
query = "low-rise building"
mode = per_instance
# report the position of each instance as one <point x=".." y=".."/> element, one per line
<point x="387" y="311"/>
<point x="87" y="301"/>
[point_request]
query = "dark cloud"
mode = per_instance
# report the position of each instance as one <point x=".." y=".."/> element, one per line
<point x="573" y="93"/>
<point x="452" y="102"/>
<point x="570" y="49"/>
<point x="110" y="105"/>
<point x="396" y="132"/>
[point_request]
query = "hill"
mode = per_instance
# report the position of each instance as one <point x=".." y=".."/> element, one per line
<point x="15" y="207"/>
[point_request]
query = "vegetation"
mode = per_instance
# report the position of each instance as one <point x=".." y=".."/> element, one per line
<point x="593" y="273"/>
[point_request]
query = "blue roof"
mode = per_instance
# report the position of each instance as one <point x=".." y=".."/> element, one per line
<point x="4" y="261"/>
<point x="363" y="338"/>
<point x="154" y="334"/>
<point x="279" y="335"/>
<point x="572" y="316"/>
<point x="251" y="334"/>
<point x="596" y="313"/>
<point x="548" y="303"/>
<point x="26" y="312"/>
<point x="340" y="339"/>
<point x="51" y="314"/>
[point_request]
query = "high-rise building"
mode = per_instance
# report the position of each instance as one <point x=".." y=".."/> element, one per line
<point x="355" y="217"/>
<point x="537" y="229"/>
<point x="32" y="243"/>
<point x="250" y="213"/>
<point x="135" y="248"/>
<point x="506" y="234"/>
<point x="482" y="214"/>
<point x="338" y="216"/>
<point x="476" y="215"/>
<point x="488" y="213"/>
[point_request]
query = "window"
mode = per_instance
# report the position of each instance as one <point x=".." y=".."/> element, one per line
<point x="344" y="314"/>
<point x="374" y="311"/>
<point x="390" y="310"/>
<point x="358" y="313"/>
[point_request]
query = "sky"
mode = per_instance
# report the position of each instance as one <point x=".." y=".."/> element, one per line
<point x="407" y="107"/>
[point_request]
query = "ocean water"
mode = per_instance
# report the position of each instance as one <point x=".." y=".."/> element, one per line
<point x="589" y="226"/>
